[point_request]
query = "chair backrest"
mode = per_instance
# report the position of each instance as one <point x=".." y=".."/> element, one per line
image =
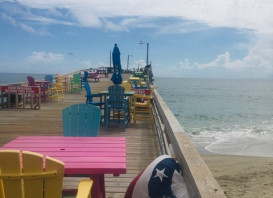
<point x="127" y="86"/>
<point x="88" y="91"/>
<point x="116" y="96"/>
<point x="135" y="83"/>
<point x="34" y="181"/>
<point x="152" y="91"/>
<point x="31" y="81"/>
<point x="76" y="78"/>
<point x="81" y="120"/>
<point x="49" y="78"/>
<point x="85" y="76"/>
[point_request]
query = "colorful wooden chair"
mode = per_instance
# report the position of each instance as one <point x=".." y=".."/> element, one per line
<point x="117" y="107"/>
<point x="89" y="96"/>
<point x="49" y="78"/>
<point x="81" y="120"/>
<point x="31" y="83"/>
<point x="138" y="87"/>
<point x="55" y="90"/>
<point x="75" y="83"/>
<point x="127" y="85"/>
<point x="143" y="105"/>
<point x="24" y="175"/>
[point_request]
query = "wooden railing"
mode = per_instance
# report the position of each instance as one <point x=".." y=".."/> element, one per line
<point x="199" y="180"/>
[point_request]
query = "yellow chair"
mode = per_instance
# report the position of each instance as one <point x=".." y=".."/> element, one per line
<point x="127" y="86"/>
<point x="56" y="91"/>
<point x="22" y="175"/>
<point x="143" y="106"/>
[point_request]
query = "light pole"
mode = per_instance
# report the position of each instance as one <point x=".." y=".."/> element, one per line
<point x="147" y="56"/>
<point x="128" y="62"/>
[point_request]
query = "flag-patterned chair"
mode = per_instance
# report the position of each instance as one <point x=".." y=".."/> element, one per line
<point x="163" y="177"/>
<point x="24" y="175"/>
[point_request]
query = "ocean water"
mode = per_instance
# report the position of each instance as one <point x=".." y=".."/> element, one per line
<point x="223" y="116"/>
<point x="7" y="78"/>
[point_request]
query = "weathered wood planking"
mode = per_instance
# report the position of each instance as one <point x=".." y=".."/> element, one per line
<point x="199" y="179"/>
<point x="142" y="145"/>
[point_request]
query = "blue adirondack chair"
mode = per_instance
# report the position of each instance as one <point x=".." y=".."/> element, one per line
<point x="49" y="78"/>
<point x="118" y="105"/>
<point x="81" y="120"/>
<point x="89" y="96"/>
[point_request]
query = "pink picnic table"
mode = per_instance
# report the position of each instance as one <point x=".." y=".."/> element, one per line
<point x="94" y="75"/>
<point x="83" y="156"/>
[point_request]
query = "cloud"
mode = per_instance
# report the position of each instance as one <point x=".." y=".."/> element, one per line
<point x="11" y="20"/>
<point x="44" y="57"/>
<point x="244" y="14"/>
<point x="258" y="63"/>
<point x="259" y="58"/>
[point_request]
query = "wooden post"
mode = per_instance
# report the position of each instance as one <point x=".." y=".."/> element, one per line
<point x="9" y="105"/>
<point x="16" y="100"/>
<point x="24" y="102"/>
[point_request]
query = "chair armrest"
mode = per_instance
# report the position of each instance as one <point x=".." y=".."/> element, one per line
<point x="147" y="97"/>
<point x="96" y="95"/>
<point x="84" y="188"/>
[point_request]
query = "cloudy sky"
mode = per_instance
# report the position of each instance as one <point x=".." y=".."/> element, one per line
<point x="187" y="38"/>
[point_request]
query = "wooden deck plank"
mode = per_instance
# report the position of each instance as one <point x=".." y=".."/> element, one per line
<point x="142" y="144"/>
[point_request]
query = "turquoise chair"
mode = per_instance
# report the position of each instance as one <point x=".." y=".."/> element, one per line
<point x="81" y="120"/>
<point x="117" y="107"/>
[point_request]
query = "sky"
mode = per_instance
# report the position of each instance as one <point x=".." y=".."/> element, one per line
<point x="186" y="38"/>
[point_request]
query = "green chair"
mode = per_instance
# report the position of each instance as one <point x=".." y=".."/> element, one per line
<point x="76" y="83"/>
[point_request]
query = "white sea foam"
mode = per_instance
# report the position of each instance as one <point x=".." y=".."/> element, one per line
<point x="245" y="143"/>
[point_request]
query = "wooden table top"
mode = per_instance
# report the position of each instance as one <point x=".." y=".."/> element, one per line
<point x="81" y="155"/>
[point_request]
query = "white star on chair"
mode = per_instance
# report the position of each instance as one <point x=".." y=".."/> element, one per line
<point x="160" y="174"/>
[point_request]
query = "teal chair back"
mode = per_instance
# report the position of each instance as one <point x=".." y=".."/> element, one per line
<point x="81" y="120"/>
<point x="116" y="96"/>
<point x="49" y="78"/>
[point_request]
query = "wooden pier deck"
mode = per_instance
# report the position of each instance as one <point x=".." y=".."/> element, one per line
<point x="142" y="143"/>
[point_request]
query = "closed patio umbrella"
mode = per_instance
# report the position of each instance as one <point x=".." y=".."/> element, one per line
<point x="116" y="77"/>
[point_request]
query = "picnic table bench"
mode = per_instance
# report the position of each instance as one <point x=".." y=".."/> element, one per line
<point x="94" y="75"/>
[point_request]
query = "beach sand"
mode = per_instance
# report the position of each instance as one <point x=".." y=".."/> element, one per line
<point x="242" y="176"/>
